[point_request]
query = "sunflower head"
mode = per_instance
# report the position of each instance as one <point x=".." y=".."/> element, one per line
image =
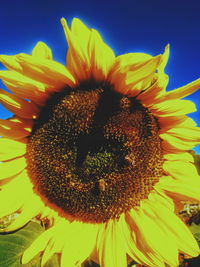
<point x="99" y="147"/>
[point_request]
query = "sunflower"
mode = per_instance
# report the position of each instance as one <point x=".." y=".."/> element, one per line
<point x="99" y="149"/>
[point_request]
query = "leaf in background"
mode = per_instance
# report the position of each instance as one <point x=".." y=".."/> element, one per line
<point x="12" y="246"/>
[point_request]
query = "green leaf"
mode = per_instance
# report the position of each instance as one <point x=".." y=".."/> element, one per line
<point x="12" y="246"/>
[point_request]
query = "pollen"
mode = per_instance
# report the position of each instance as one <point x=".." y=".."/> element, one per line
<point x="94" y="153"/>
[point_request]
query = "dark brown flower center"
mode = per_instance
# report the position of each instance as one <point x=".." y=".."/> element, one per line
<point x="94" y="153"/>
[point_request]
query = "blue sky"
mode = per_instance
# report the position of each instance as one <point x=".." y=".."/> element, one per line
<point x="126" y="25"/>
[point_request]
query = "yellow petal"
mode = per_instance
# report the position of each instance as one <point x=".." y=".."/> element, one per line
<point x="185" y="157"/>
<point x="77" y="57"/>
<point x="11" y="194"/>
<point x="101" y="56"/>
<point x="74" y="252"/>
<point x="181" y="191"/>
<point x="11" y="145"/>
<point x="88" y="56"/>
<point x="186" y="134"/>
<point x="173" y="108"/>
<point x="28" y="211"/>
<point x="18" y="106"/>
<point x="125" y="77"/>
<point x="11" y="168"/>
<point x="164" y="59"/>
<point x="37" y="246"/>
<point x="10" y="62"/>
<point x="155" y="258"/>
<point x="131" y="246"/>
<point x="27" y="91"/>
<point x="110" y="247"/>
<point x="48" y="252"/>
<point x="171" y="143"/>
<point x="154" y="91"/>
<point x="182" y="170"/>
<point x="176" y="229"/>
<point x="14" y="77"/>
<point x="41" y="50"/>
<point x="45" y="70"/>
<point x="181" y="92"/>
<point x="146" y="225"/>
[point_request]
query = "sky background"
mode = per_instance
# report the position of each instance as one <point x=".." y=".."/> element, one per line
<point x="126" y="25"/>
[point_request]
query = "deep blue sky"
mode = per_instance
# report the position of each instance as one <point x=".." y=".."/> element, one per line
<point x="126" y="25"/>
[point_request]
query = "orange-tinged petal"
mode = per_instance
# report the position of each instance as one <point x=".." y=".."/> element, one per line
<point x="169" y="122"/>
<point x="11" y="129"/>
<point x="28" y="91"/>
<point x="18" y="106"/>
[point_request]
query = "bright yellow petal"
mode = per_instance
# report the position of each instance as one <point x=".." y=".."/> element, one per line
<point x="45" y="70"/>
<point x="101" y="56"/>
<point x="173" y="108"/>
<point x="181" y="191"/>
<point x="80" y="242"/>
<point x="184" y="157"/>
<point x="181" y="92"/>
<point x="131" y="246"/>
<point x="37" y="246"/>
<point x="125" y="77"/>
<point x="154" y="91"/>
<point x="88" y="56"/>
<point x="11" y="168"/>
<point x="146" y="225"/>
<point x="41" y="50"/>
<point x="110" y="246"/>
<point x="171" y="143"/>
<point x="10" y="63"/>
<point x="182" y="170"/>
<point x="26" y="215"/>
<point x="174" y="227"/>
<point x="187" y="134"/>
<point x="164" y="59"/>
